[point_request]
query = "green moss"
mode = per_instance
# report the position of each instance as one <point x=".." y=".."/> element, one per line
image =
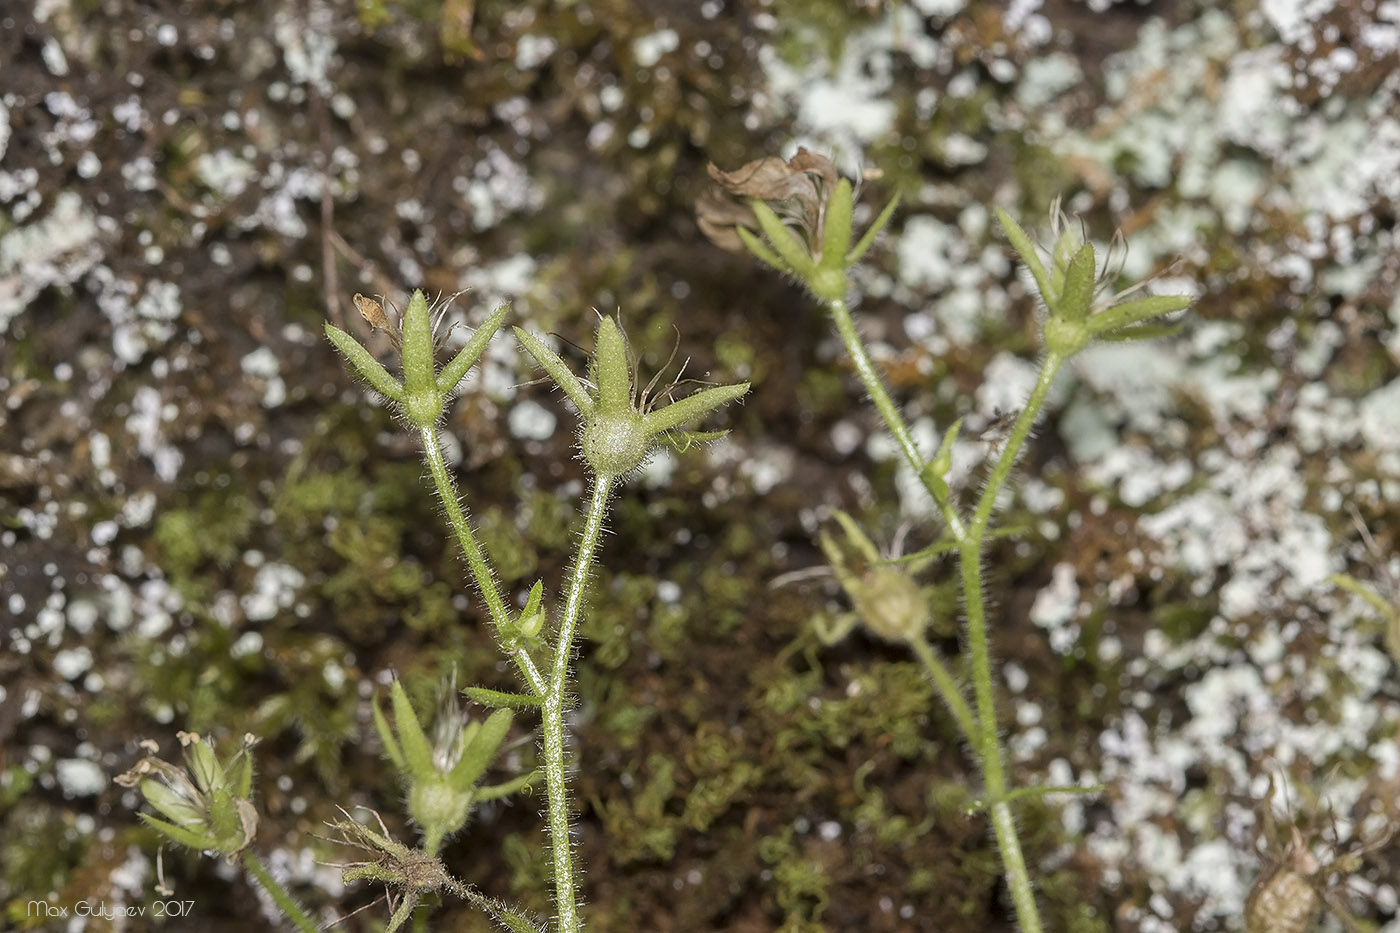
<point x="800" y="884"/>
<point x="317" y="701"/>
<point x="40" y="850"/>
<point x="638" y="826"/>
<point x="512" y="553"/>
<point x="213" y="530"/>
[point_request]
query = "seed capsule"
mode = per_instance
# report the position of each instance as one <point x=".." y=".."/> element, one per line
<point x="1284" y="901"/>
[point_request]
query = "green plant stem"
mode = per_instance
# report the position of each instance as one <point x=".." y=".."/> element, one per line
<point x="555" y="706"/>
<point x="285" y="902"/>
<point x="1012" y="449"/>
<point x="875" y="388"/>
<point x="947" y="687"/>
<point x="988" y="742"/>
<point x="476" y="559"/>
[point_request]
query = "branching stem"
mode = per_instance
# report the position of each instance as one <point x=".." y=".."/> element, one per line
<point x="981" y="729"/>
<point x="556" y="704"/>
<point x="476" y="559"/>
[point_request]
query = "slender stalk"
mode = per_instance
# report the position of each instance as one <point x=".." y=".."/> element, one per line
<point x="476" y="559"/>
<point x="556" y="705"/>
<point x="1019" y="431"/>
<point x="285" y="902"/>
<point x="988" y="743"/>
<point x="947" y="688"/>
<point x="875" y="388"/>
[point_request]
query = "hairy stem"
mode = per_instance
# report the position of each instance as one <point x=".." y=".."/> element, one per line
<point x="875" y="388"/>
<point x="988" y="742"/>
<point x="981" y="729"/>
<point x="947" y="687"/>
<point x="285" y="902"/>
<point x="476" y="559"/>
<point x="556" y="705"/>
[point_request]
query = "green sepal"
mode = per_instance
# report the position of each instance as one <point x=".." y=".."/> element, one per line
<point x="500" y="699"/>
<point x="868" y="238"/>
<point x="419" y="364"/>
<point x="417" y="750"/>
<point x="1026" y="250"/>
<point x="1077" y="296"/>
<point x="1135" y="312"/>
<point x="171" y="803"/>
<point x="836" y="226"/>
<point x="456" y="369"/>
<point x="760" y="250"/>
<point x="480" y="748"/>
<point x="692" y="407"/>
<point x="612" y="372"/>
<point x="682" y="441"/>
<point x="224" y="820"/>
<point x="563" y="377"/>
<point x="506" y="788"/>
<point x="386" y="736"/>
<point x="238" y="771"/>
<point x="1144" y="331"/>
<point x="177" y="834"/>
<point x="365" y="365"/>
<point x="204" y="766"/>
<point x="784" y="242"/>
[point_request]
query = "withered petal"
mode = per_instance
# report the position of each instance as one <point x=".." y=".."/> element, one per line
<point x="718" y="217"/>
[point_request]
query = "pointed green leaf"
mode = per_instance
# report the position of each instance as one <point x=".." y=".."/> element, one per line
<point x="563" y="377"/>
<point x="784" y="242"/>
<point x="365" y="365"/>
<point x="868" y="239"/>
<point x="1026" y="250"/>
<point x="1135" y="312"/>
<point x="177" y="834"/>
<point x="1077" y="296"/>
<point x="456" y="370"/>
<point x="477" y="753"/>
<point x="506" y="788"/>
<point x="611" y="370"/>
<point x="836" y="226"/>
<point x="507" y="917"/>
<point x="943" y="460"/>
<point x="417" y="750"/>
<point x="761" y="250"/>
<point x="499" y="699"/>
<point x="386" y="736"/>
<point x="534" y="600"/>
<point x="692" y="407"/>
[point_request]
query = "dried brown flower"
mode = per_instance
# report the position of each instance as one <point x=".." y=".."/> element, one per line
<point x="796" y="189"/>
